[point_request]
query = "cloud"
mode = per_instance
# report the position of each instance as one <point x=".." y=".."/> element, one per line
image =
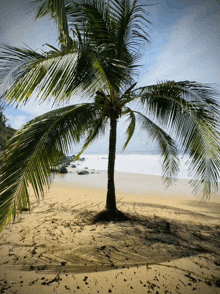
<point x="16" y="122"/>
<point x="192" y="50"/>
<point x="35" y="108"/>
<point x="18" y="25"/>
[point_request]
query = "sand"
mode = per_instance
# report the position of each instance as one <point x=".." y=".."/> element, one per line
<point x="171" y="245"/>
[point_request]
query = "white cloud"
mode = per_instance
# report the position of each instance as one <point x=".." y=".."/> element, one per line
<point x="18" y="26"/>
<point x="192" y="51"/>
<point x="18" y="121"/>
<point x="36" y="109"/>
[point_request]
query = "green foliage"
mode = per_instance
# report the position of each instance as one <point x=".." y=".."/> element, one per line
<point x="100" y="44"/>
<point x="3" y="119"/>
<point x="34" y="149"/>
<point x="6" y="132"/>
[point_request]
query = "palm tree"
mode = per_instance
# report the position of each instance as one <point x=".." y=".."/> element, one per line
<point x="97" y="59"/>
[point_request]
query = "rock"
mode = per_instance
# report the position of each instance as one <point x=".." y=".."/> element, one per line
<point x="83" y="172"/>
<point x="54" y="170"/>
<point x="73" y="166"/>
<point x="62" y="169"/>
<point x="65" y="160"/>
<point x="72" y="157"/>
<point x="82" y="159"/>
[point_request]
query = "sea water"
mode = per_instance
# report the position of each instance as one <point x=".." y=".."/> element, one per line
<point x="149" y="164"/>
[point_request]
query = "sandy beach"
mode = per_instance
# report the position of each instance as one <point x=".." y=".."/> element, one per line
<point x="170" y="245"/>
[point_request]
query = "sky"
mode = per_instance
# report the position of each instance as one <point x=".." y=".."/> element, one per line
<point x="185" y="42"/>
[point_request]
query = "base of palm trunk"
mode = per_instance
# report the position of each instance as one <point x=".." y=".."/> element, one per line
<point x="108" y="215"/>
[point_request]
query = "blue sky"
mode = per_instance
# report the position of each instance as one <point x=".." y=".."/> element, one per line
<point x="185" y="42"/>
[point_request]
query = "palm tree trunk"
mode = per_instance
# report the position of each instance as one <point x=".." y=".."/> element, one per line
<point x="111" y="199"/>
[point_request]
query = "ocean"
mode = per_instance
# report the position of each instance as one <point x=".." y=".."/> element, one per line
<point x="149" y="164"/>
<point x="134" y="165"/>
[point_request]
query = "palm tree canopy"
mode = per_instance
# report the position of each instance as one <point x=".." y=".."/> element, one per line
<point x="97" y="58"/>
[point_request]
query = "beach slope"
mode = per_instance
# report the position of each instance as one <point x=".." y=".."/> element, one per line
<point x="170" y="244"/>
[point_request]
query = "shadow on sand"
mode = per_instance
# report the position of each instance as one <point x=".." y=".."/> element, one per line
<point x="65" y="241"/>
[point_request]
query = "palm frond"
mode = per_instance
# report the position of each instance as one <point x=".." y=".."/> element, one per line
<point x="15" y="63"/>
<point x="95" y="130"/>
<point x="57" y="10"/>
<point x="190" y="113"/>
<point x="170" y="166"/>
<point x="182" y="95"/>
<point x="132" y="24"/>
<point x="21" y="71"/>
<point x="205" y="94"/>
<point x="128" y="95"/>
<point x="31" y="152"/>
<point x="131" y="128"/>
<point x="120" y="25"/>
<point x="56" y="75"/>
<point x="96" y="14"/>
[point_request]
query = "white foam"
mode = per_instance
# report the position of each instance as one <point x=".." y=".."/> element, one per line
<point x="149" y="164"/>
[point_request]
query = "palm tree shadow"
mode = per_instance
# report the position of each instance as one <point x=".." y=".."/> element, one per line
<point x="154" y="239"/>
<point x="73" y="244"/>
